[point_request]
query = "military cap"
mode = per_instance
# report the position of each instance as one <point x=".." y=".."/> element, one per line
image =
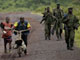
<point x="70" y="8"/>
<point x="58" y="4"/>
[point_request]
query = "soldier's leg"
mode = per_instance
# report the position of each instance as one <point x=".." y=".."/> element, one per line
<point x="45" y="36"/>
<point x="57" y="33"/>
<point x="67" y="38"/>
<point x="46" y="32"/>
<point x="53" y="29"/>
<point x="72" y="35"/>
<point x="49" y="32"/>
<point x="60" y="33"/>
<point x="61" y="30"/>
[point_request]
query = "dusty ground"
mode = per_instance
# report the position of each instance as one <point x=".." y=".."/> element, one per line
<point x="38" y="47"/>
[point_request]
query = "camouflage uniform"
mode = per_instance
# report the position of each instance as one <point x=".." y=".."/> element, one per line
<point x="70" y="24"/>
<point x="48" y="19"/>
<point x="44" y="15"/>
<point x="58" y="13"/>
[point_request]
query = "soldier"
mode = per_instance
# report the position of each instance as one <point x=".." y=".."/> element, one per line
<point x="44" y="14"/>
<point x="58" y="13"/>
<point x="71" y="23"/>
<point x="48" y="18"/>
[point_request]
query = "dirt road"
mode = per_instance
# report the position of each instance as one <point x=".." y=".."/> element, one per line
<point x="38" y="47"/>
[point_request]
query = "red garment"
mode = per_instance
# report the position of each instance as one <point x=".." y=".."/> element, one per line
<point x="9" y="32"/>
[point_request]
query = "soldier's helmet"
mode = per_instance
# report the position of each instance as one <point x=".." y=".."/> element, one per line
<point x="48" y="8"/>
<point x="58" y="4"/>
<point x="70" y="8"/>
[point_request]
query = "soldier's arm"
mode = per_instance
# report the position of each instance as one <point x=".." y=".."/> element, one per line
<point x="53" y="12"/>
<point x="54" y="25"/>
<point x="54" y="19"/>
<point x="77" y="24"/>
<point x="64" y="19"/>
<point x="62" y="16"/>
<point x="62" y="13"/>
<point x="43" y="18"/>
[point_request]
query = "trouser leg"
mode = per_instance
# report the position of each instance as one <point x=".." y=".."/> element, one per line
<point x="71" y="43"/>
<point x="67" y="34"/>
<point x="24" y="37"/>
<point x="72" y="35"/>
<point x="5" y="46"/>
<point x="53" y="30"/>
<point x="10" y="46"/>
<point x="60" y="33"/>
<point x="46" y="31"/>
<point x="49" y="32"/>
<point x="45" y="35"/>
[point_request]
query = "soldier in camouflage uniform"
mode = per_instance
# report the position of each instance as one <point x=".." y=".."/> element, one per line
<point x="58" y="13"/>
<point x="44" y="13"/>
<point x="70" y="24"/>
<point x="48" y="19"/>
